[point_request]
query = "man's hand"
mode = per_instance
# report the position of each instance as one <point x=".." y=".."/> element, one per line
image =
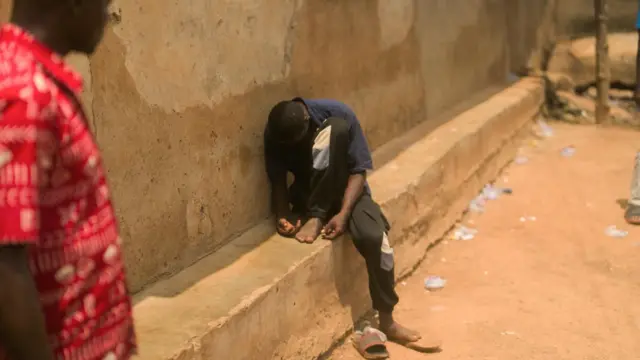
<point x="335" y="227"/>
<point x="286" y="228"/>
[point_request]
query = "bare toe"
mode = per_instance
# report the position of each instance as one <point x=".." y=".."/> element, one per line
<point x="310" y="231"/>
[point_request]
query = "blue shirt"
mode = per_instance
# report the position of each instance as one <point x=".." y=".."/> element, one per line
<point x="359" y="154"/>
<point x="279" y="160"/>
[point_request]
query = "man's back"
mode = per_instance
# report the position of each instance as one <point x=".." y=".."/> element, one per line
<point x="54" y="199"/>
<point x="297" y="158"/>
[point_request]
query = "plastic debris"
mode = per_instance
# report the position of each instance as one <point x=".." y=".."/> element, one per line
<point x="464" y="233"/>
<point x="569" y="151"/>
<point x="614" y="232"/>
<point x="521" y="160"/>
<point x="477" y="205"/>
<point x="491" y="192"/>
<point x="528" y="218"/>
<point x="433" y="283"/>
<point x="368" y="329"/>
<point x="545" y="129"/>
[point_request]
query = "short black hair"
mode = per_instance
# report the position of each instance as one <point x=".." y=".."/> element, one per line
<point x="287" y="121"/>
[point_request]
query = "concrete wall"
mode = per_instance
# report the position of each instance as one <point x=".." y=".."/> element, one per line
<point x="576" y="18"/>
<point x="179" y="94"/>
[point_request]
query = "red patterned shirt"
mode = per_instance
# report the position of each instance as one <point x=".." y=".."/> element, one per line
<point x="53" y="196"/>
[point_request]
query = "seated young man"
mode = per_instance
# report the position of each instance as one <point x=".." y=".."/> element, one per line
<point x="322" y="143"/>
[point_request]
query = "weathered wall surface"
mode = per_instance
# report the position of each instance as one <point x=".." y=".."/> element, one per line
<point x="576" y="18"/>
<point x="179" y="94"/>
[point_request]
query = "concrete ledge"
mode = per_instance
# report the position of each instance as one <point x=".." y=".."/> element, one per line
<point x="277" y="299"/>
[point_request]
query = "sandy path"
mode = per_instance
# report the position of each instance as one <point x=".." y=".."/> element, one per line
<point x="554" y="288"/>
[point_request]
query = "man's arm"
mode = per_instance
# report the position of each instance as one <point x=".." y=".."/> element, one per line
<point x="22" y="326"/>
<point x="360" y="162"/>
<point x="277" y="177"/>
<point x="280" y="198"/>
<point x="338" y="224"/>
<point x="277" y="173"/>
<point x="355" y="186"/>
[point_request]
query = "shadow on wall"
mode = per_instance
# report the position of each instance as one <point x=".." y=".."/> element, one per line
<point x="532" y="33"/>
<point x="330" y="63"/>
<point x="187" y="181"/>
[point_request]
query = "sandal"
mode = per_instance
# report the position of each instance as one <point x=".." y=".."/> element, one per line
<point x="370" y="344"/>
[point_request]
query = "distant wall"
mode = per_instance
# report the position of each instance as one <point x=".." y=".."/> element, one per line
<point x="179" y="93"/>
<point x="576" y="18"/>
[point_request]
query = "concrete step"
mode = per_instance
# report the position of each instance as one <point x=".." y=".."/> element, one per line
<point x="277" y="299"/>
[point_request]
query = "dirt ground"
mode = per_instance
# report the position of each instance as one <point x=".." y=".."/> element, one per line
<point x="553" y="286"/>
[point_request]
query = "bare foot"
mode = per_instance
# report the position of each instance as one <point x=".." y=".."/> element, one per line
<point x="411" y="339"/>
<point x="398" y="333"/>
<point x="310" y="231"/>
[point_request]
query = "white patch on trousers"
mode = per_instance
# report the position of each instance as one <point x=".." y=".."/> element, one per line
<point x="386" y="255"/>
<point x="635" y="182"/>
<point x="322" y="149"/>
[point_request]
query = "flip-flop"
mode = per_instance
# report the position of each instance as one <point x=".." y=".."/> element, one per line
<point x="632" y="215"/>
<point x="370" y="344"/>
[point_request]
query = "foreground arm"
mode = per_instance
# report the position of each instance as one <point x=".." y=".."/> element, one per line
<point x="637" y="91"/>
<point x="22" y="325"/>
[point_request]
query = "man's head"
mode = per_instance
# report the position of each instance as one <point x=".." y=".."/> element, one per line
<point x="65" y="25"/>
<point x="288" y="122"/>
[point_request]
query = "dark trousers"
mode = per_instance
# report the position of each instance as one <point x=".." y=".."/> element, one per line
<point x="367" y="224"/>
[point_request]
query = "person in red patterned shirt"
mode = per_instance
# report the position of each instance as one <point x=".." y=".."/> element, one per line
<point x="63" y="293"/>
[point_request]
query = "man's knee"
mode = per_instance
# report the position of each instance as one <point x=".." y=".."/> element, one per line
<point x="375" y="246"/>
<point x="369" y="240"/>
<point x="334" y="133"/>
